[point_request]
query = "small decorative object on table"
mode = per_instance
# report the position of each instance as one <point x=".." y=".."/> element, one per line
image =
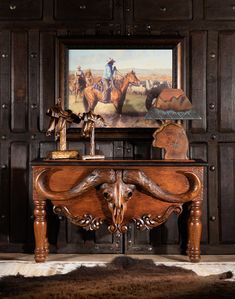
<point x="171" y="107"/>
<point x="88" y="131"/>
<point x="58" y="123"/>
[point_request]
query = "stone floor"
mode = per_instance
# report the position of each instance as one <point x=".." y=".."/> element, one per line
<point x="16" y="263"/>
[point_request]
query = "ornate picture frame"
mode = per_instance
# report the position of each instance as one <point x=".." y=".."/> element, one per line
<point x="84" y="52"/>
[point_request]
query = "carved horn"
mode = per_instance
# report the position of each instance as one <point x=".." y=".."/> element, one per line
<point x="149" y="186"/>
<point x="95" y="178"/>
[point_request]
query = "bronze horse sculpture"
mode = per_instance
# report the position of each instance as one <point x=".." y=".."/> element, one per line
<point x="92" y="96"/>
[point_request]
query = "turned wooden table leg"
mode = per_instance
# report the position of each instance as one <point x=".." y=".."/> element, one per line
<point x="40" y="229"/>
<point x="194" y="231"/>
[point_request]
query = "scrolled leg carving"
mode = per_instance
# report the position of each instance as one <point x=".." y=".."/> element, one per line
<point x="40" y="230"/>
<point x="194" y="231"/>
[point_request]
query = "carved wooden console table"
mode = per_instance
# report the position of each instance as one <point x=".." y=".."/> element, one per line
<point x="118" y="192"/>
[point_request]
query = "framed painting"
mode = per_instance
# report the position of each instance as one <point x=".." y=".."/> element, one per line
<point x="118" y="78"/>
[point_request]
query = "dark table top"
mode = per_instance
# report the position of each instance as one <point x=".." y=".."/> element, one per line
<point x="117" y="162"/>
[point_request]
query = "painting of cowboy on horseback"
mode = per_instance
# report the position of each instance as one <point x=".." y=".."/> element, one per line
<point x="118" y="82"/>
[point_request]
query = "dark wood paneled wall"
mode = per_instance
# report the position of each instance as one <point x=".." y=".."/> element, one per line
<point x="29" y="30"/>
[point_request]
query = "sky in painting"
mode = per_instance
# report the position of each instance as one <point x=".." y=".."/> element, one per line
<point x="125" y="58"/>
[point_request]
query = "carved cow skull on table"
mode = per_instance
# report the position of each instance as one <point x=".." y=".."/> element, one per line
<point x="117" y="195"/>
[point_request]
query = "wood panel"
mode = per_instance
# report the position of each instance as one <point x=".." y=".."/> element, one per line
<point x="5" y="74"/>
<point x="47" y="76"/>
<point x="78" y="146"/>
<point x="142" y="150"/>
<point x="220" y="10"/>
<point x="19" y="192"/>
<point x="198" y="151"/>
<point x="212" y="80"/>
<point x="20" y="9"/>
<point x="227" y="192"/>
<point x="2" y="214"/>
<point x="4" y="198"/>
<point x="170" y="231"/>
<point x="19" y="90"/>
<point x="80" y="10"/>
<point x="227" y="82"/>
<point x="33" y="80"/>
<point x="162" y="10"/>
<point x="118" y="149"/>
<point x="45" y="148"/>
<point x="198" y="49"/>
<point x="103" y="148"/>
<point x="159" y="240"/>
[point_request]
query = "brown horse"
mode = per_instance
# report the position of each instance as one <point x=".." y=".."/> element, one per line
<point x="89" y="78"/>
<point x="117" y="96"/>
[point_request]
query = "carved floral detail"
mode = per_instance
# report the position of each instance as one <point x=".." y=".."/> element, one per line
<point x="88" y="222"/>
<point x="147" y="222"/>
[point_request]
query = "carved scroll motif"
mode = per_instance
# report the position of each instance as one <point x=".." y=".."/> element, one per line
<point x="147" y="222"/>
<point x="88" y="222"/>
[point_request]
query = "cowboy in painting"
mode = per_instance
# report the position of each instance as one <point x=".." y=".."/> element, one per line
<point x="79" y="73"/>
<point x="80" y="81"/>
<point x="107" y="79"/>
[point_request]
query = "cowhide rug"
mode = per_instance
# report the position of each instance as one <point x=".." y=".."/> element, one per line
<point x="124" y="277"/>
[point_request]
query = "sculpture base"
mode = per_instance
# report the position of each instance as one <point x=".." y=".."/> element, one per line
<point x="93" y="157"/>
<point x="55" y="155"/>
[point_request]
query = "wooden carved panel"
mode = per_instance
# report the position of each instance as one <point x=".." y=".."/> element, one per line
<point x="90" y="196"/>
<point x="115" y="190"/>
